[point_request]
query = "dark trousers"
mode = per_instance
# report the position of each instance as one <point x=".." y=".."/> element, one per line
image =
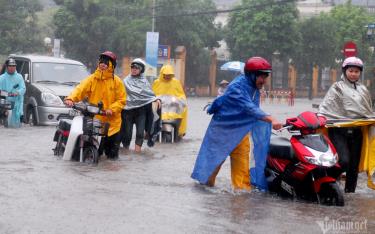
<point x="135" y="116"/>
<point x="348" y="143"/>
<point x="110" y="145"/>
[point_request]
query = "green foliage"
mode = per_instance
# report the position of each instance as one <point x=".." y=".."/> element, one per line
<point x="18" y="29"/>
<point x="318" y="45"/>
<point x="89" y="26"/>
<point x="266" y="26"/>
<point x="350" y="22"/>
<point x="178" y="25"/>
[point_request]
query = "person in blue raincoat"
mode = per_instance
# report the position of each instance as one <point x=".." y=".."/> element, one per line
<point x="236" y="116"/>
<point x="12" y="82"/>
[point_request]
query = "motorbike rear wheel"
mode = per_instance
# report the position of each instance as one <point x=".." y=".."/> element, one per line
<point x="331" y="194"/>
<point x="90" y="155"/>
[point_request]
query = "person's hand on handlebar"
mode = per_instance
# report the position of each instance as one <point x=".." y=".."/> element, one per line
<point x="276" y="125"/>
<point x="68" y="102"/>
<point x="108" y="112"/>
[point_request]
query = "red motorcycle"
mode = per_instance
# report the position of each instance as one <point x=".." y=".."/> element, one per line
<point x="306" y="165"/>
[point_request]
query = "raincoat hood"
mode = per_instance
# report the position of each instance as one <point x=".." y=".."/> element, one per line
<point x="346" y="99"/>
<point x="139" y="92"/>
<point x="166" y="70"/>
<point x="106" y="74"/>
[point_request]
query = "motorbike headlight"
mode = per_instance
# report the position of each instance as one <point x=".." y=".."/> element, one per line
<point x="52" y="99"/>
<point x="93" y="109"/>
<point x="325" y="159"/>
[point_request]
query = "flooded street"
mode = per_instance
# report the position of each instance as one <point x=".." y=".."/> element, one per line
<point x="152" y="192"/>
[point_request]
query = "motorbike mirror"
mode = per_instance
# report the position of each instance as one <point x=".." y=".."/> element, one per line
<point x="27" y="78"/>
<point x="100" y="105"/>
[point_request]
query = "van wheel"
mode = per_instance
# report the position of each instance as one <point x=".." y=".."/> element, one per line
<point x="31" y="116"/>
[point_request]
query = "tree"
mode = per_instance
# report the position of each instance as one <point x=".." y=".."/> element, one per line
<point x="350" y="22"/>
<point x="261" y="28"/>
<point x="191" y="24"/>
<point x="19" y="33"/>
<point x="89" y="27"/>
<point x="317" y="46"/>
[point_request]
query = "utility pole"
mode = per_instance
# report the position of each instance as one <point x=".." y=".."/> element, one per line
<point x="153" y="16"/>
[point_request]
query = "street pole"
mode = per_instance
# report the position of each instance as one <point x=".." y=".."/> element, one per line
<point x="153" y="15"/>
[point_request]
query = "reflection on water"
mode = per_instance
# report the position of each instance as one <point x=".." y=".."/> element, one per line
<point x="148" y="192"/>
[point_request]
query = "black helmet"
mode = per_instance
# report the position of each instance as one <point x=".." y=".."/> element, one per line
<point x="11" y="62"/>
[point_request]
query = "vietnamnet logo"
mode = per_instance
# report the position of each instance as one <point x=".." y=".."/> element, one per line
<point x="344" y="224"/>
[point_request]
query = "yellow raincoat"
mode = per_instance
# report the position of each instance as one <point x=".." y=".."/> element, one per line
<point x="367" y="162"/>
<point x="172" y="87"/>
<point x="106" y="87"/>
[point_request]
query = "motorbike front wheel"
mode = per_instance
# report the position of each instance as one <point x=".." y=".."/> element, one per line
<point x="60" y="146"/>
<point x="90" y="155"/>
<point x="331" y="194"/>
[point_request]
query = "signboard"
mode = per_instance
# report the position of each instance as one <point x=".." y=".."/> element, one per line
<point x="56" y="48"/>
<point x="164" y="52"/>
<point x="350" y="49"/>
<point x="152" y="44"/>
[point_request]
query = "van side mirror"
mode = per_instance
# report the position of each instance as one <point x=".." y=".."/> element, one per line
<point x="27" y="78"/>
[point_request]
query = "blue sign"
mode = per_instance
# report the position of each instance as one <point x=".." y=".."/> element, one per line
<point x="163" y="52"/>
<point x="152" y="44"/>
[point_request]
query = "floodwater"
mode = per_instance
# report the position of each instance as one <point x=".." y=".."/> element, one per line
<point x="152" y="192"/>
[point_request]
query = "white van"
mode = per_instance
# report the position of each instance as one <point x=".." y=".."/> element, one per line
<point x="48" y="81"/>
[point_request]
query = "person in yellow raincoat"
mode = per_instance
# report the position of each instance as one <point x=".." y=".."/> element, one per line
<point x="168" y="88"/>
<point x="103" y="85"/>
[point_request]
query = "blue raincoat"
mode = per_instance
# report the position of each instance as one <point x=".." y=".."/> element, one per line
<point x="235" y="114"/>
<point x="13" y="83"/>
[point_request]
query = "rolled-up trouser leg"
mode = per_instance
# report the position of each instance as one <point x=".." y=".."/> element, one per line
<point x="240" y="166"/>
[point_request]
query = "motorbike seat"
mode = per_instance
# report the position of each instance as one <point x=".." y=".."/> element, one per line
<point x="280" y="147"/>
<point x="65" y="124"/>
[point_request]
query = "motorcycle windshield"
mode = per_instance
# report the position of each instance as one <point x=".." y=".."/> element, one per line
<point x="314" y="141"/>
<point x="172" y="104"/>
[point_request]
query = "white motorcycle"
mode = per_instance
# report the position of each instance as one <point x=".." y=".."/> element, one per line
<point x="79" y="138"/>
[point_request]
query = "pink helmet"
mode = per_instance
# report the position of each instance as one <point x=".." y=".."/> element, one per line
<point x="352" y="62"/>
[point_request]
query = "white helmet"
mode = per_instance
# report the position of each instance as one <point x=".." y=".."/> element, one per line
<point x="140" y="62"/>
<point x="352" y="62"/>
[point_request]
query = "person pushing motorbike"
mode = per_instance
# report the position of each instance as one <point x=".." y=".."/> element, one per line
<point x="235" y="113"/>
<point x="103" y="85"/>
<point x="12" y="82"/>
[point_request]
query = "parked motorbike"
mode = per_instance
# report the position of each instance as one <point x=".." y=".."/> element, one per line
<point x="172" y="107"/>
<point x="306" y="165"/>
<point x="5" y="107"/>
<point x="78" y="138"/>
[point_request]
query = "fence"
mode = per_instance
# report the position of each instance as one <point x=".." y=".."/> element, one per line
<point x="277" y="96"/>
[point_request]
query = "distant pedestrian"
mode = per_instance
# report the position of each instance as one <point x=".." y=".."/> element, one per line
<point x="222" y="87"/>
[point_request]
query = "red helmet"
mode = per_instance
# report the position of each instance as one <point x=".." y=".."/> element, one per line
<point x="109" y="54"/>
<point x="257" y="64"/>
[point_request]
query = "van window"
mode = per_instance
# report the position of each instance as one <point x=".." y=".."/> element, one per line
<point x="24" y="69"/>
<point x="59" y="72"/>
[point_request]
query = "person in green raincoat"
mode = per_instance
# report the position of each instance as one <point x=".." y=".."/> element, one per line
<point x="12" y="82"/>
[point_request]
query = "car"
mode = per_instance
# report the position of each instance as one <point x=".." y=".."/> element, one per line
<point x="48" y="81"/>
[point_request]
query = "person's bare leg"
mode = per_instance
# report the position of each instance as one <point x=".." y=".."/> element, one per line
<point x="137" y="148"/>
